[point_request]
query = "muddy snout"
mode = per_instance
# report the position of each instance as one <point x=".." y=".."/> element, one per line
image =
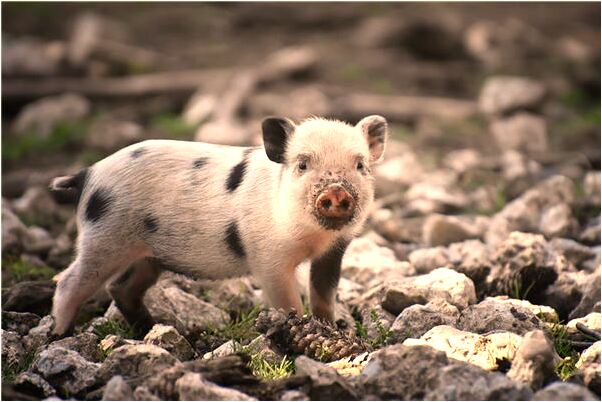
<point x="335" y="202"/>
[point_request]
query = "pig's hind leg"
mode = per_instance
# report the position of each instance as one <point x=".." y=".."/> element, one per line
<point x="93" y="266"/>
<point x="128" y="291"/>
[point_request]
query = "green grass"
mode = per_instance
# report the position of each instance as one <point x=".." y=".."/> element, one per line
<point x="19" y="270"/>
<point x="173" y="126"/>
<point x="384" y="335"/>
<point x="240" y="329"/>
<point x="265" y="370"/>
<point x="11" y="371"/>
<point x="566" y="368"/>
<point x="20" y="145"/>
<point x="519" y="291"/>
<point x="114" y="327"/>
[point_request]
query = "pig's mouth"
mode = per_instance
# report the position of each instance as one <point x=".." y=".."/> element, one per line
<point x="334" y="204"/>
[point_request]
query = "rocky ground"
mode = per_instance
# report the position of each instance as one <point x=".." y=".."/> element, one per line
<point x="478" y="273"/>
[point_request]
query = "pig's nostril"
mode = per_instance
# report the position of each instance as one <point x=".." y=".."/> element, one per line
<point x="327" y="204"/>
<point x="344" y="205"/>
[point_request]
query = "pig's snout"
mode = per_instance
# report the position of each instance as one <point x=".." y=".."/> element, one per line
<point x="335" y="202"/>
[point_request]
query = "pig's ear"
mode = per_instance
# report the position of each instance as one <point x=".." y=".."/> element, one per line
<point x="276" y="132"/>
<point x="375" y="130"/>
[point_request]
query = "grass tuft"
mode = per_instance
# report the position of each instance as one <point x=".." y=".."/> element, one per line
<point x="11" y="371"/>
<point x="265" y="370"/>
<point x="114" y="327"/>
<point x="19" y="270"/>
<point x="384" y="335"/>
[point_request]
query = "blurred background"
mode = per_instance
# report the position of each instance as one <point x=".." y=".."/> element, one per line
<point x="484" y="99"/>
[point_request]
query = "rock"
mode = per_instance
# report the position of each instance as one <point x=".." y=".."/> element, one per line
<point x="519" y="171"/>
<point x="66" y="370"/>
<point x="523" y="132"/>
<point x="29" y="297"/>
<point x="351" y="366"/>
<point x="524" y="266"/>
<point x="20" y="323"/>
<point x="428" y="197"/>
<point x="403" y="170"/>
<point x="591" y="232"/>
<point x="142" y="393"/>
<point x="224" y="349"/>
<point x="38" y="335"/>
<point x="544" y="313"/>
<point x="109" y="135"/>
<point x="43" y="115"/>
<point x="31" y="57"/>
<point x="132" y="361"/>
<point x="591" y="187"/>
<point x="416" y="320"/>
<point x="168" y="338"/>
<point x="589" y="366"/>
<point x="325" y="382"/>
<point x="225" y="132"/>
<point x="12" y="348"/>
<point x="117" y="389"/>
<point x="33" y="384"/>
<point x="442" y="283"/>
<point x="464" y="382"/>
<point x="193" y="387"/>
<point x="463" y="160"/>
<point x="535" y="360"/>
<point x="495" y="315"/>
<point x="524" y="213"/>
<point x="232" y="295"/>
<point x="185" y="312"/>
<point x="61" y="253"/>
<point x="558" y="221"/>
<point x="375" y="320"/>
<point x="564" y="391"/>
<point x="590" y="301"/>
<point x="487" y="352"/>
<point x="86" y="344"/>
<point x="420" y="372"/>
<point x="349" y="290"/>
<point x="442" y="230"/>
<point x="112" y="342"/>
<point x="565" y="294"/>
<point x="36" y="205"/>
<point x="37" y="241"/>
<point x="471" y="258"/>
<point x="262" y="345"/>
<point x="294" y="395"/>
<point x="503" y="94"/>
<point x="573" y="251"/>
<point x="13" y="230"/>
<point x="591" y="321"/>
<point x="425" y="260"/>
<point x="368" y="264"/>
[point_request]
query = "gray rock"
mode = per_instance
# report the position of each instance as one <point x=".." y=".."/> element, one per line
<point x="224" y="349"/>
<point x="564" y="391"/>
<point x="502" y="94"/>
<point x="494" y="315"/>
<point x="169" y="338"/>
<point x="463" y="160"/>
<point x="86" y="344"/>
<point x="39" y="334"/>
<point x="416" y="320"/>
<point x="590" y="301"/>
<point x="565" y="293"/>
<point x="43" y="115"/>
<point x="591" y="187"/>
<point x="471" y="258"/>
<point x="591" y="233"/>
<point x="325" y="382"/>
<point x="573" y="251"/>
<point x="294" y="395"/>
<point x="558" y="221"/>
<point x="425" y="260"/>
<point x="61" y="252"/>
<point x="442" y="230"/>
<point x="66" y="370"/>
<point x="232" y="295"/>
<point x="535" y="360"/>
<point x="519" y="171"/>
<point x="29" y="56"/>
<point x="373" y="317"/>
<point x="523" y="132"/>
<point x="142" y="393"/>
<point x="132" y="361"/>
<point x="185" y="312"/>
<point x="192" y="386"/>
<point x="117" y="389"/>
<point x="442" y="283"/>
<point x="37" y="240"/>
<point x="20" y="323"/>
<point x="524" y="266"/>
<point x="33" y="384"/>
<point x="12" y="348"/>
<point x="110" y="134"/>
<point x="36" y="205"/>
<point x="589" y="366"/>
<point x="13" y="230"/>
<point x="463" y="382"/>
<point x="263" y="346"/>
<point x="29" y="297"/>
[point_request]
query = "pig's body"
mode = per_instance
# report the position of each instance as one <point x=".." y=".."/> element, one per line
<point x="214" y="212"/>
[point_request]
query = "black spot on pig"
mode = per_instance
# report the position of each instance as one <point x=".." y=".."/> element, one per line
<point x="138" y="152"/>
<point x="98" y="204"/>
<point x="233" y="240"/>
<point x="326" y="270"/>
<point x="237" y="174"/>
<point x="199" y="162"/>
<point x="151" y="224"/>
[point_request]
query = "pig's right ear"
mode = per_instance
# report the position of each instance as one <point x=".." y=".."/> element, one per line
<point x="276" y="132"/>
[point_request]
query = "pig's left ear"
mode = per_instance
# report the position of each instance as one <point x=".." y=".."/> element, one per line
<point x="276" y="132"/>
<point x="375" y="130"/>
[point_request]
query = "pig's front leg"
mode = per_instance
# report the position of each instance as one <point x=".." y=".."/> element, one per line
<point x="324" y="279"/>
<point x="279" y="286"/>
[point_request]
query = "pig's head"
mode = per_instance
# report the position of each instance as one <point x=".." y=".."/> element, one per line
<point x="326" y="178"/>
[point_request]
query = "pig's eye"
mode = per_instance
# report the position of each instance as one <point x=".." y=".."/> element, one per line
<point x="360" y="166"/>
<point x="302" y="166"/>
